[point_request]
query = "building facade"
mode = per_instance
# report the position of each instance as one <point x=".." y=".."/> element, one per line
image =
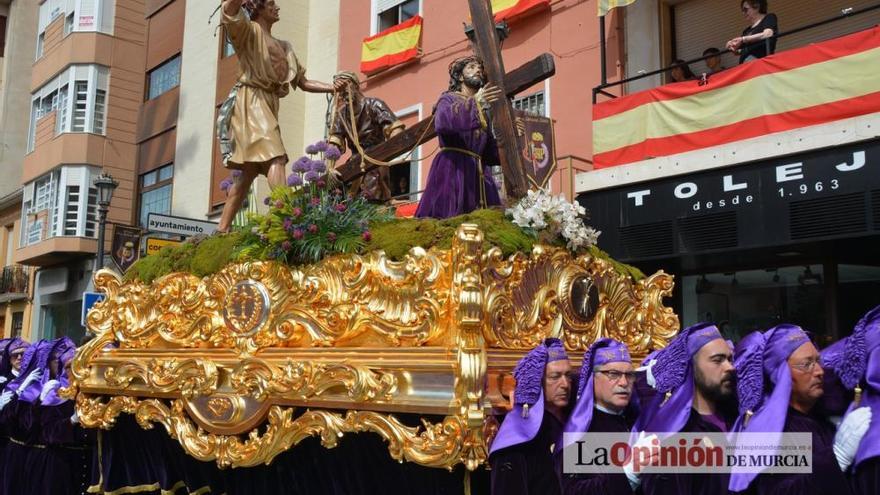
<point x="566" y="29"/>
<point x="757" y="187"/>
<point x="85" y="85"/>
<point x="18" y="24"/>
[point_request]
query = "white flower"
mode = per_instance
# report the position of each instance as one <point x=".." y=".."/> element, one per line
<point x="539" y="211"/>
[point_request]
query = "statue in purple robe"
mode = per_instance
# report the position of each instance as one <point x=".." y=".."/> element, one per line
<point x="694" y="379"/>
<point x="460" y="179"/>
<point x="521" y="455"/>
<point x="786" y="359"/>
<point x="605" y="404"/>
<point x="855" y="361"/>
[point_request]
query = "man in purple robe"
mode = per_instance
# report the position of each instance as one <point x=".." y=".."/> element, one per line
<point x="460" y="179"/>
<point x="786" y="359"/>
<point x="695" y="382"/>
<point x="856" y="361"/>
<point x="604" y="405"/>
<point x="11" y="351"/>
<point x="521" y="456"/>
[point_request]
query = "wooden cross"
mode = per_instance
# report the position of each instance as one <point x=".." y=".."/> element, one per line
<point x="487" y="47"/>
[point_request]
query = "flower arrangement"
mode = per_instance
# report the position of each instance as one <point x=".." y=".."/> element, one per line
<point x="550" y="217"/>
<point x="312" y="218"/>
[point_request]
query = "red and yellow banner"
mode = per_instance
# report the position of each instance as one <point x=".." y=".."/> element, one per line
<point x="606" y="5"/>
<point x="394" y="46"/>
<point x="508" y="9"/>
<point x="813" y="85"/>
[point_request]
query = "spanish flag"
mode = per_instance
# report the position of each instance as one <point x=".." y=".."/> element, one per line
<point x="812" y="85"/>
<point x="507" y="9"/>
<point x="394" y="46"/>
<point x="606" y="5"/>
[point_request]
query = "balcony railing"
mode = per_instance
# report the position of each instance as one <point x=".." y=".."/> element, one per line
<point x="14" y="281"/>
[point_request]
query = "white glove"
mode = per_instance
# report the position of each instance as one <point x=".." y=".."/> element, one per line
<point x="631" y="475"/>
<point x="849" y="435"/>
<point x="32" y="376"/>
<point x="5" y="397"/>
<point x="649" y="374"/>
<point x="3" y="380"/>
<point x="74" y="420"/>
<point x="51" y="384"/>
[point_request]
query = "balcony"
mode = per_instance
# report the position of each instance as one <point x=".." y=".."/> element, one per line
<point x="14" y="283"/>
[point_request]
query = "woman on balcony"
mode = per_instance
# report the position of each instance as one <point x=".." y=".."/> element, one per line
<point x="758" y="39"/>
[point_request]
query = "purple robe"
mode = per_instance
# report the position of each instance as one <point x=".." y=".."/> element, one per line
<point x="601" y="483"/>
<point x="453" y="186"/>
<point x="866" y="478"/>
<point x="826" y="477"/>
<point x="691" y="484"/>
<point x="528" y="468"/>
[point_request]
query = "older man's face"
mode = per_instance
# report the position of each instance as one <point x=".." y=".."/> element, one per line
<point x="557" y="383"/>
<point x="15" y="359"/>
<point x="806" y="375"/>
<point x="613" y="385"/>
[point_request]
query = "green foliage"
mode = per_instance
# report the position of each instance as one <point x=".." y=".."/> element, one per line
<point x="199" y="256"/>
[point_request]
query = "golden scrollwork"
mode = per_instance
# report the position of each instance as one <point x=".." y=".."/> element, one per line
<point x="303" y="380"/>
<point x="355" y="339"/>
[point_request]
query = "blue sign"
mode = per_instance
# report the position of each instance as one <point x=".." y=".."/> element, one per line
<point x="89" y="300"/>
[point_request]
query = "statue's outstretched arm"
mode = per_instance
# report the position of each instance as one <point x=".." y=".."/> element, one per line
<point x="231" y="7"/>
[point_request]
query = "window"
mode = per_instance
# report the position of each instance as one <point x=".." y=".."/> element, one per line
<point x="532" y="104"/>
<point x="155" y="194"/>
<point x="61" y="203"/>
<point x="164" y="78"/>
<point x="79" y="16"/>
<point x="393" y="12"/>
<point x="68" y="24"/>
<point x="81" y="110"/>
<point x="2" y="35"/>
<point x="40" y="39"/>
<point x="17" y="323"/>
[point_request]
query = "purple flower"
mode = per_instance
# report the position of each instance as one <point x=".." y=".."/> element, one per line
<point x="332" y="153"/>
<point x="311" y="176"/>
<point x="279" y="204"/>
<point x="236" y="174"/>
<point x="225" y="185"/>
<point x="267" y="200"/>
<point x="297" y="234"/>
<point x="311" y="149"/>
<point x="367" y="235"/>
<point x="288" y="222"/>
<point x="301" y="164"/>
<point x="318" y="166"/>
<point x="297" y="211"/>
<point x="285" y="245"/>
<point x="321" y="146"/>
<point x="315" y="201"/>
<point x="313" y="228"/>
<point x="294" y="180"/>
<point x="340" y="207"/>
<point x="331" y="236"/>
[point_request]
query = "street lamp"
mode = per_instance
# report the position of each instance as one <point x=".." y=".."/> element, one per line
<point x="105" y="185"/>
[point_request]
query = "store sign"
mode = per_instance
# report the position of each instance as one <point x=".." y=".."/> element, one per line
<point x="155" y="244"/>
<point x="769" y="183"/>
<point x="179" y="225"/>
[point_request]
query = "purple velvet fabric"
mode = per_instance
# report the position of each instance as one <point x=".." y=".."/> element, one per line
<point x="453" y="186"/>
<point x="63" y="351"/>
<point x="522" y="423"/>
<point x="602" y="352"/>
<point x="775" y="348"/>
<point x="673" y="373"/>
<point x="34" y="358"/>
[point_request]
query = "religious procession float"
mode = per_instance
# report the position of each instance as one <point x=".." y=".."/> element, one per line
<point x="329" y="316"/>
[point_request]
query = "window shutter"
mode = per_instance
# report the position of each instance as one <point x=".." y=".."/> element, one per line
<point x="87" y="16"/>
<point x="383" y="5"/>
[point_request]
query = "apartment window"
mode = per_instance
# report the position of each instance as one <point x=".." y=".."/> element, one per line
<point x="532" y="104"/>
<point x="2" y="35"/>
<point x="164" y="78"/>
<point x="68" y="24"/>
<point x="17" y="323"/>
<point x="81" y="15"/>
<point x="61" y="203"/>
<point x="80" y="109"/>
<point x="155" y="192"/>
<point x="393" y="12"/>
<point x="40" y="39"/>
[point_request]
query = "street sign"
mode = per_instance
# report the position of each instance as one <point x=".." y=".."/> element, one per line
<point x="155" y="244"/>
<point x="179" y="225"/>
<point x="89" y="300"/>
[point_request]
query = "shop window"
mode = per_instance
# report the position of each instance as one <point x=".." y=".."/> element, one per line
<point x="163" y="78"/>
<point x="155" y="192"/>
<point x="393" y="12"/>
<point x="62" y="319"/>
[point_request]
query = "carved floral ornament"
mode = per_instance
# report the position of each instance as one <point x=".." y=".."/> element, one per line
<point x="352" y="339"/>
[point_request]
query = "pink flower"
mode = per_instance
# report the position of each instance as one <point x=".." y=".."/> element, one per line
<point x="285" y="245"/>
<point x="315" y="201"/>
<point x="297" y="211"/>
<point x="340" y="207"/>
<point x="279" y="204"/>
<point x="367" y="235"/>
<point x="331" y="236"/>
<point x="297" y="234"/>
<point x="313" y="228"/>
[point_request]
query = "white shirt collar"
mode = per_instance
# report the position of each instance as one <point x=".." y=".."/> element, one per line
<point x="608" y="411"/>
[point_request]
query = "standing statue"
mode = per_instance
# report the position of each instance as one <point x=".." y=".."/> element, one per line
<point x="250" y="137"/>
<point x="460" y="179"/>
<point x="360" y="122"/>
